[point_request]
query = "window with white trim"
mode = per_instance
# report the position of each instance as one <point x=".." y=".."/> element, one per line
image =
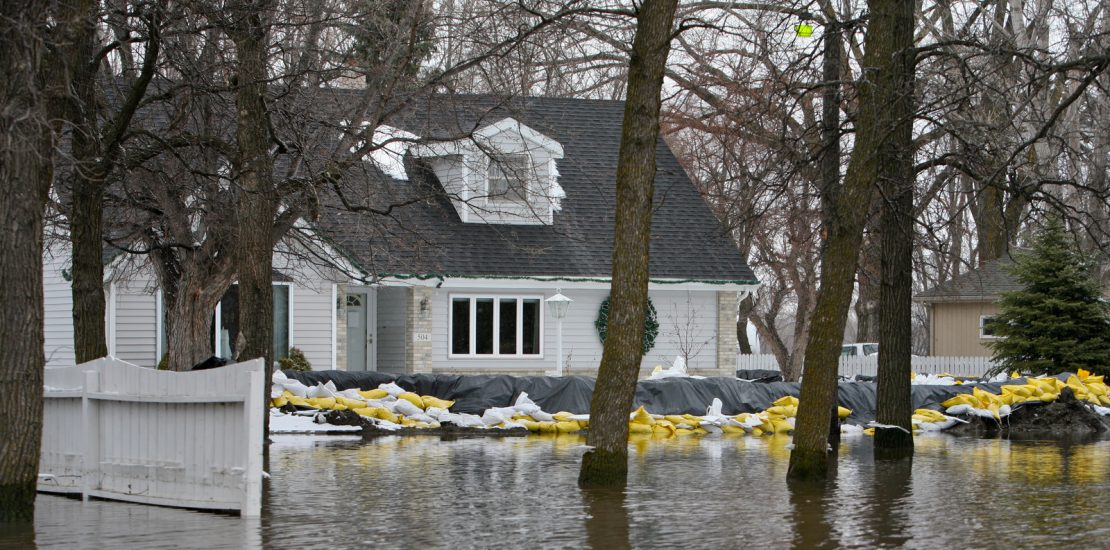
<point x="986" y="327"/>
<point x="496" y="326"/>
<point x="509" y="176"/>
<point x="227" y="321"/>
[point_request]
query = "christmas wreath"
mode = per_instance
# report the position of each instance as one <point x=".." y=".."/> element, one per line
<point x="651" y="324"/>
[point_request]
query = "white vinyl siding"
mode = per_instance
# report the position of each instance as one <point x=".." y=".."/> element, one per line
<point x="312" y="323"/>
<point x="136" y="330"/>
<point x="58" y="309"/>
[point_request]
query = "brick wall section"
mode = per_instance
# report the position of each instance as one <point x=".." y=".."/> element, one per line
<point x="418" y="320"/>
<point x="340" y="306"/>
<point x="726" y="333"/>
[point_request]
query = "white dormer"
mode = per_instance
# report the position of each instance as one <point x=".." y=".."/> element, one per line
<point x="504" y="173"/>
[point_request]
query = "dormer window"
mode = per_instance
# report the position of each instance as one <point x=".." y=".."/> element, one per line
<point x="509" y="177"/>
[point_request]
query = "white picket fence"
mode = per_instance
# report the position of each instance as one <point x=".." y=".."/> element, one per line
<point x="869" y="365"/>
<point x="117" y="431"/>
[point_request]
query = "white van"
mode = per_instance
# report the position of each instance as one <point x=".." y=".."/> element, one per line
<point x="859" y="350"/>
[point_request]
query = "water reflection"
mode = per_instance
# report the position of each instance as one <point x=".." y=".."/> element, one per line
<point x="606" y="519"/>
<point x="711" y="491"/>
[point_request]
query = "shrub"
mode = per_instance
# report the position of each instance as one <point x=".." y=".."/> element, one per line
<point x="295" y="361"/>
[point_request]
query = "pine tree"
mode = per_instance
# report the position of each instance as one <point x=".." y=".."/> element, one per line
<point x="1059" y="321"/>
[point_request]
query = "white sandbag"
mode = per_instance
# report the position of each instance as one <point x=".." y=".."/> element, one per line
<point x="497" y="415"/>
<point x="464" y="420"/>
<point x="386" y="425"/>
<point x="1004" y="411"/>
<point x="524" y="405"/>
<point x="391" y="388"/>
<point x="851" y="429"/>
<point x="351" y="394"/>
<point x="714" y="409"/>
<point x="435" y="412"/>
<point x="421" y="417"/>
<point x="322" y="390"/>
<point x="541" y="416"/>
<point x="295" y="387"/>
<point x="406" y="408"/>
<point x="958" y="409"/>
<point x="278" y="377"/>
<point x="275" y="391"/>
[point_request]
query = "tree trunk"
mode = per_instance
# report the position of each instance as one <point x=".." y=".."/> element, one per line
<point x="867" y="302"/>
<point x="896" y="180"/>
<point x="189" y="316"/>
<point x="26" y="172"/>
<point x="607" y="462"/>
<point x="744" y="310"/>
<point x="257" y="205"/>
<point x="844" y="222"/>
<point x="87" y="184"/>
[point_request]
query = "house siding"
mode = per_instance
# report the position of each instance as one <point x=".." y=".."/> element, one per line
<point x="58" y="310"/>
<point x="682" y="315"/>
<point x="312" y="320"/>
<point x="955" y="328"/>
<point x="136" y="334"/>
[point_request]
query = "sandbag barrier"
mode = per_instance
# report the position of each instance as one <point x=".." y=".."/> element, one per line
<point x="674" y="403"/>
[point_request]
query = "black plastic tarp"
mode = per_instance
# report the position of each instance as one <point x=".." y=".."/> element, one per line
<point x="476" y="393"/>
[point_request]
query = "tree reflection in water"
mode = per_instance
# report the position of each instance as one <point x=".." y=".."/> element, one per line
<point x="606" y="518"/>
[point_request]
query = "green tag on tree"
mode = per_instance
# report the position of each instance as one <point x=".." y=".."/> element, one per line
<point x="803" y="29"/>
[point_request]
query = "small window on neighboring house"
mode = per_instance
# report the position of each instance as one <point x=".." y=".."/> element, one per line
<point x="495" y="326"/>
<point x="508" y="179"/>
<point x="987" y="326"/>
<point x="227" y="322"/>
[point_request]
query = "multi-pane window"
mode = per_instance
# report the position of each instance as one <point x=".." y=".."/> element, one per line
<point x="986" y="326"/>
<point x="508" y="179"/>
<point x="492" y="326"/>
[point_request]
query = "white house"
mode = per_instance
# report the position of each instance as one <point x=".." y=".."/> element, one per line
<point x="455" y="280"/>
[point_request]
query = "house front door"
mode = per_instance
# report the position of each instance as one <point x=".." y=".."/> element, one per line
<point x="360" y="331"/>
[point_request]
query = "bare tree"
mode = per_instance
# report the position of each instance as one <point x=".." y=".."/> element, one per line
<point x="26" y="172"/>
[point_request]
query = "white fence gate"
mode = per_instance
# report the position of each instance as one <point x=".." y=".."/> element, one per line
<point x="117" y="431"/>
<point x="869" y="365"/>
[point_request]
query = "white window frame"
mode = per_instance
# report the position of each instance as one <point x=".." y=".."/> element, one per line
<point x="982" y="325"/>
<point x="529" y="180"/>
<point x="218" y="325"/>
<point x="473" y="326"/>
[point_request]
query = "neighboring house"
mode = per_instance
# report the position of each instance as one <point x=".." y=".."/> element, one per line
<point x="455" y="281"/>
<point x="960" y="309"/>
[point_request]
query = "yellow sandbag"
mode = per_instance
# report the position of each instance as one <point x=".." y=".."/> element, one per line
<point x="279" y="401"/>
<point x="567" y="426"/>
<point x="742" y="417"/>
<point x="637" y="428"/>
<point x="928" y="415"/>
<point x="382" y="413"/>
<point x="412" y="398"/>
<point x="843" y="412"/>
<point x="373" y="394"/>
<point x="532" y="425"/>
<point x="1104" y="400"/>
<point x="676" y="419"/>
<point x="364" y="411"/>
<point x="663" y="429"/>
<point x="408" y="422"/>
<point x="1083" y="374"/>
<point x="339" y="407"/>
<point x="322" y="402"/>
<point x="548" y="427"/>
<point x="642" y="417"/>
<point x="783" y="410"/>
<point x="299" y="401"/>
<point x="562" y="416"/>
<point x="430" y="402"/>
<point x="683" y="431"/>
<point x="961" y="399"/>
<point x="786" y="400"/>
<point x="350" y="403"/>
<point x="733" y="429"/>
<point x="757" y="431"/>
<point x="781" y="426"/>
<point x="869" y="431"/>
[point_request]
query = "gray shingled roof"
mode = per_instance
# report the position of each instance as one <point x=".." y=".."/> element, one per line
<point x="428" y="239"/>
<point x="985" y="283"/>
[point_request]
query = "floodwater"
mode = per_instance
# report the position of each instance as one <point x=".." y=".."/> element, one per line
<point x="708" y="492"/>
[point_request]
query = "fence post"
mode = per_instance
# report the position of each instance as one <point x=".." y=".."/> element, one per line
<point x="252" y="499"/>
<point x="90" y="411"/>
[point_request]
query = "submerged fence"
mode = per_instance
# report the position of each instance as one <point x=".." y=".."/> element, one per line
<point x="869" y="365"/>
<point x="117" y="431"/>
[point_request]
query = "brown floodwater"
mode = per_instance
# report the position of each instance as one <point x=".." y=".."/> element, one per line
<point x="707" y="492"/>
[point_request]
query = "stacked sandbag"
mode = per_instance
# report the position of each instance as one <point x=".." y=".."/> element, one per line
<point x="388" y="405"/>
<point x="1043" y="389"/>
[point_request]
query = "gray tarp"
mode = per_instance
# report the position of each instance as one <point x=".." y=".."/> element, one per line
<point x="476" y="393"/>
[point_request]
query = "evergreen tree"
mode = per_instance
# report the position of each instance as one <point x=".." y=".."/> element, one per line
<point x="1059" y="321"/>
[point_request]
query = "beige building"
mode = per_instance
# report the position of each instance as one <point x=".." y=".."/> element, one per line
<point x="960" y="309"/>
